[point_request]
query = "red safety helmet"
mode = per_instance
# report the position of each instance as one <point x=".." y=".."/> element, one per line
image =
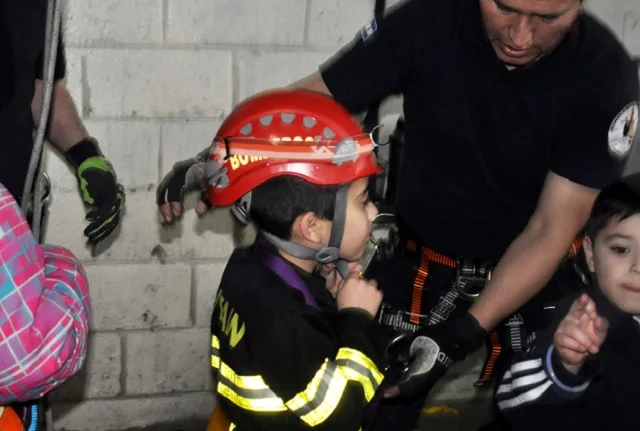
<point x="288" y="132"/>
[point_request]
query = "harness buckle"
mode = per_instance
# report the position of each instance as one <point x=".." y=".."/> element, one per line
<point x="401" y="330"/>
<point x="471" y="278"/>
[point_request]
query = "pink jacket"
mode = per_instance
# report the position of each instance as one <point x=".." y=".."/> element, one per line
<point x="44" y="310"/>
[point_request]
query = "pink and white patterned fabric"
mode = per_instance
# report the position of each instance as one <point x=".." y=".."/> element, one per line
<point x="44" y="310"/>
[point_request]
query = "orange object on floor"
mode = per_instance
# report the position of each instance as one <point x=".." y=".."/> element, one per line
<point x="219" y="421"/>
<point x="9" y="420"/>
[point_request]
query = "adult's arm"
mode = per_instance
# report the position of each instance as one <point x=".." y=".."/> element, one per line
<point x="592" y="143"/>
<point x="64" y="128"/>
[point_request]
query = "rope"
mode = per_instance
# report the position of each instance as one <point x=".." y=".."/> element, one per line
<point x="34" y="172"/>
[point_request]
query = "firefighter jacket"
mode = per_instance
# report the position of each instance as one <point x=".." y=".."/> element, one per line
<point x="539" y="393"/>
<point x="282" y="364"/>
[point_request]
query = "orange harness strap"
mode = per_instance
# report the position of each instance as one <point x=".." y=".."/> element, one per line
<point x="494" y="341"/>
<point x="490" y="363"/>
<point x="428" y="255"/>
<point x="576" y="246"/>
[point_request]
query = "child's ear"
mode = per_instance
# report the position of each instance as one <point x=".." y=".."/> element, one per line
<point x="588" y="253"/>
<point x="310" y="227"/>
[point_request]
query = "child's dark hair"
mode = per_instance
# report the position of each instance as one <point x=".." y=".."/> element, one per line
<point x="277" y="203"/>
<point x="617" y="201"/>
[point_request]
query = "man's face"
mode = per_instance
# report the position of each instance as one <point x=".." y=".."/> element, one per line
<point x="614" y="256"/>
<point x="520" y="31"/>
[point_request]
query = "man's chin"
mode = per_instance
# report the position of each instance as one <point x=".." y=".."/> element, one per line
<point x="514" y="61"/>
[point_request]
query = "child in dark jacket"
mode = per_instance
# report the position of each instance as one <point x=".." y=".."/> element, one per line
<point x="291" y="349"/>
<point x="583" y="375"/>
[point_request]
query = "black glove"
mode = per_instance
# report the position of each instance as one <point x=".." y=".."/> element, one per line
<point x="435" y="348"/>
<point x="189" y="175"/>
<point x="99" y="188"/>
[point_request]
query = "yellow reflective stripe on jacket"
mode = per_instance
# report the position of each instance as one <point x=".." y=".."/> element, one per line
<point x="247" y="392"/>
<point x="360" y="368"/>
<point x="317" y="402"/>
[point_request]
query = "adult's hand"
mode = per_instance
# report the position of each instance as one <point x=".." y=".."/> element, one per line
<point x="185" y="176"/>
<point x="99" y="189"/>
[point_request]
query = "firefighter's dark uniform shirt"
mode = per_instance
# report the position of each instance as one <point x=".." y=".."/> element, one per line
<point x="281" y="364"/>
<point x="480" y="139"/>
<point x="22" y="34"/>
<point x="539" y="393"/>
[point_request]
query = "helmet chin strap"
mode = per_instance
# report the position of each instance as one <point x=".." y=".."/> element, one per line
<point x="329" y="253"/>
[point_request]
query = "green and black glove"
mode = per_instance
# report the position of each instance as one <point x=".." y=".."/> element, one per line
<point x="99" y="188"/>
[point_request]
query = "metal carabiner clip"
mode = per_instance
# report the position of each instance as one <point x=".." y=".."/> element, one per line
<point x="376" y="244"/>
<point x="394" y="358"/>
<point x="464" y="283"/>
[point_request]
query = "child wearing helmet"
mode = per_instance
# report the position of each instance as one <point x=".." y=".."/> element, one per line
<point x="292" y="349"/>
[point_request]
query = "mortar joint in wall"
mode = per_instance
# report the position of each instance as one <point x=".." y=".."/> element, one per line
<point x="123" y="363"/>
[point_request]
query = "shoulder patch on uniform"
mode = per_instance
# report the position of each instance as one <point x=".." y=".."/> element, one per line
<point x="623" y="130"/>
<point x="369" y="29"/>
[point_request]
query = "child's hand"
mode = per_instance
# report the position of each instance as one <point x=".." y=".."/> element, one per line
<point x="357" y="292"/>
<point x="580" y="333"/>
<point x="333" y="277"/>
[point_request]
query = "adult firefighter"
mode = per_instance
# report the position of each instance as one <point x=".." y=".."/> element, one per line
<point x="22" y="55"/>
<point x="517" y="113"/>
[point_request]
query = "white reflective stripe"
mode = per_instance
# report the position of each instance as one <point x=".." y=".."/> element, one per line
<point x="519" y="367"/>
<point x="526" y="397"/>
<point x="523" y="381"/>
<point x="526" y="365"/>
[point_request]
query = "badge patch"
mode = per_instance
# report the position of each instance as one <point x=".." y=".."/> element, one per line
<point x="623" y="130"/>
<point x="368" y="30"/>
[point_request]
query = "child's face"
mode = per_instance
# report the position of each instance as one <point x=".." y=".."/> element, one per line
<point x="614" y="256"/>
<point x="360" y="213"/>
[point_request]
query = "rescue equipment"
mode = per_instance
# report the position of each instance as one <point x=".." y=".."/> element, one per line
<point x="290" y="132"/>
<point x="34" y="204"/>
<point x="471" y="277"/>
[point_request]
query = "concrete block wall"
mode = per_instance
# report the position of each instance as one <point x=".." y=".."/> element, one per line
<point x="152" y="80"/>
